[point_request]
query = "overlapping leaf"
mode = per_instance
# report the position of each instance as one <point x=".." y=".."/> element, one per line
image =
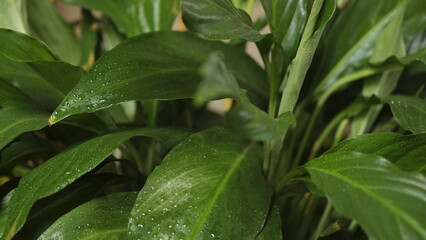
<point x="348" y="48"/>
<point x="272" y="228"/>
<point x="102" y="218"/>
<point x="48" y="26"/>
<point x="160" y="65"/>
<point x="218" y="19"/>
<point x="408" y="152"/>
<point x="13" y="15"/>
<point x="409" y="112"/>
<point x="134" y="17"/>
<point x="245" y="118"/>
<point x="287" y="20"/>
<point x="203" y="187"/>
<point x="374" y="192"/>
<point x="66" y="167"/>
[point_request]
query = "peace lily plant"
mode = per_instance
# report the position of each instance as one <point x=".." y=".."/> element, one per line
<point x="105" y="133"/>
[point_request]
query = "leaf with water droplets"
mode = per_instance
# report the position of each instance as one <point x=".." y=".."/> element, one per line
<point x="69" y="165"/>
<point x="159" y="65"/>
<point x="102" y="218"/>
<point x="209" y="186"/>
<point x="375" y="193"/>
<point x="409" y="112"/>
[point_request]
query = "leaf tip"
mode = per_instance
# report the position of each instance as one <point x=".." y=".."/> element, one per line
<point x="50" y="122"/>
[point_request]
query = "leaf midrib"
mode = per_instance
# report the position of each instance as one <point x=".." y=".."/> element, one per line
<point x="386" y="203"/>
<point x="219" y="189"/>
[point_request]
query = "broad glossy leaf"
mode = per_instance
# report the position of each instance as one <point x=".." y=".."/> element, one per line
<point x="218" y="19"/>
<point x="245" y="118"/>
<point x="409" y="112"/>
<point x="134" y="17"/>
<point x="387" y="202"/>
<point x="272" y="228"/>
<point x="49" y="27"/>
<point x="408" y="152"/>
<point x="159" y="65"/>
<point x="102" y="218"/>
<point x="287" y="20"/>
<point x="13" y="15"/>
<point x="69" y="165"/>
<point x="351" y="39"/>
<point x="47" y="210"/>
<point x="17" y="120"/>
<point x="203" y="187"/>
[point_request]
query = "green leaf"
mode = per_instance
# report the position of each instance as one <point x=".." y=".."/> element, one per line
<point x="375" y="193"/>
<point x="49" y="27"/>
<point x="203" y="187"/>
<point x="134" y="17"/>
<point x="160" y="65"/>
<point x="414" y="19"/>
<point x="10" y="96"/>
<point x="13" y="15"/>
<point x="350" y="41"/>
<point x="244" y="118"/>
<point x="322" y="11"/>
<point x="23" y="48"/>
<point x="272" y="228"/>
<point x="287" y="20"/>
<point x="218" y="20"/>
<point x="60" y="171"/>
<point x="409" y="112"/>
<point x="30" y="66"/>
<point x="48" y="210"/>
<point x="102" y="218"/>
<point x="17" y="120"/>
<point x="418" y="57"/>
<point x="408" y="152"/>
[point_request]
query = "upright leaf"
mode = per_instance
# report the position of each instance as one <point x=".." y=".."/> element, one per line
<point x="202" y="188"/>
<point x="48" y="26"/>
<point x="66" y="167"/>
<point x="245" y="118"/>
<point x="13" y="15"/>
<point x="351" y="39"/>
<point x="102" y="218"/>
<point x="414" y="19"/>
<point x="218" y="19"/>
<point x="134" y="17"/>
<point x="287" y="20"/>
<point x="387" y="203"/>
<point x="160" y="65"/>
<point x="409" y="112"/>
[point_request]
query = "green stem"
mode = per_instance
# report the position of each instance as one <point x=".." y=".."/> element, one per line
<point x="306" y="135"/>
<point x="323" y="221"/>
